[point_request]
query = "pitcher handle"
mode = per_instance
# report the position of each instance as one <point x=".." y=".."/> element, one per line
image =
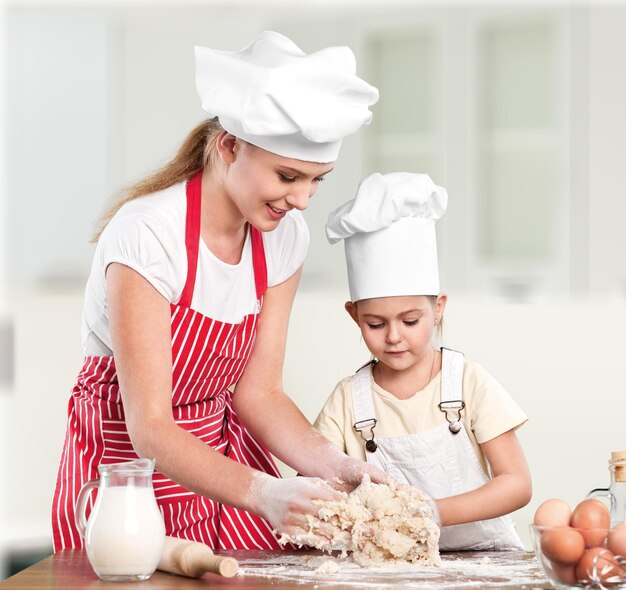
<point x="81" y="503"/>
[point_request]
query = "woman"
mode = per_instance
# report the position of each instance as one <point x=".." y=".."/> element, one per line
<point x="190" y="293"/>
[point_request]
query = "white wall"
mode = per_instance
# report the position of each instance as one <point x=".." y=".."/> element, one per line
<point x="57" y="179"/>
<point x="607" y="151"/>
<point x="48" y="358"/>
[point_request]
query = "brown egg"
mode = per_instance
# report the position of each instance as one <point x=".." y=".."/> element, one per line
<point x="564" y="573"/>
<point x="588" y="515"/>
<point x="599" y="564"/>
<point x="563" y="545"/>
<point x="617" y="540"/>
<point x="553" y="512"/>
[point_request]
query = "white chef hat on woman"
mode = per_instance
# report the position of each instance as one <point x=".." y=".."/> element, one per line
<point x="389" y="235"/>
<point x="273" y="95"/>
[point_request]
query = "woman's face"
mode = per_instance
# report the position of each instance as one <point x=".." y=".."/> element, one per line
<point x="264" y="185"/>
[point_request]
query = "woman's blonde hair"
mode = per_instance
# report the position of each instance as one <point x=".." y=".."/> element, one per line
<point x="197" y="151"/>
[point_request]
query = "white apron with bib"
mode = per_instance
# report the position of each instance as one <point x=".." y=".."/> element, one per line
<point x="440" y="461"/>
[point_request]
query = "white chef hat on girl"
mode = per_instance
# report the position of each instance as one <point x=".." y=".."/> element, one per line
<point x="273" y="95"/>
<point x="389" y="235"/>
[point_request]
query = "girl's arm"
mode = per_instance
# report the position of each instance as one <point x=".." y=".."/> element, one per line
<point x="510" y="488"/>
<point x="140" y="329"/>
<point x="271" y="416"/>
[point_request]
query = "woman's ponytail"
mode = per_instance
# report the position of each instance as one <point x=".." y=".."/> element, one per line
<point x="196" y="152"/>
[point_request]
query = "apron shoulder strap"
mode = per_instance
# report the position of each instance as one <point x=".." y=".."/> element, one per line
<point x="452" y="365"/>
<point x="362" y="395"/>
<point x="452" y="404"/>
<point x="259" y="262"/>
<point x="192" y="235"/>
<point x="364" y="416"/>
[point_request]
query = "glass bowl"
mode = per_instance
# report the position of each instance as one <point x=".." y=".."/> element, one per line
<point x="578" y="558"/>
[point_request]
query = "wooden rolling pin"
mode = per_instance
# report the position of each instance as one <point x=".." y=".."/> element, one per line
<point x="188" y="558"/>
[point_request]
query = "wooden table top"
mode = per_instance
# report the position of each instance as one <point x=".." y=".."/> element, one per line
<point x="289" y="570"/>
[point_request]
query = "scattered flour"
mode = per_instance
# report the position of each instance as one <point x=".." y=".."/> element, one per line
<point x="329" y="566"/>
<point x="458" y="571"/>
<point x="377" y="524"/>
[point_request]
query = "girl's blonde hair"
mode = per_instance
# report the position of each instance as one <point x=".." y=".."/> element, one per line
<point x="197" y="151"/>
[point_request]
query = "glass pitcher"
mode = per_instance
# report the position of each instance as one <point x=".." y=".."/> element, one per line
<point x="125" y="534"/>
<point x="616" y="492"/>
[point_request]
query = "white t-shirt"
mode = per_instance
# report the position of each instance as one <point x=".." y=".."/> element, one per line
<point x="489" y="411"/>
<point x="148" y="235"/>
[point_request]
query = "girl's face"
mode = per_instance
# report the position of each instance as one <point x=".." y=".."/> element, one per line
<point x="397" y="330"/>
<point x="264" y="186"/>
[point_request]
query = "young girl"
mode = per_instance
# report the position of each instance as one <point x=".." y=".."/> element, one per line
<point x="428" y="417"/>
<point x="189" y="294"/>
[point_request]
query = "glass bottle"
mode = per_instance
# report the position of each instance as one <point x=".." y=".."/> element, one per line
<point x="616" y="492"/>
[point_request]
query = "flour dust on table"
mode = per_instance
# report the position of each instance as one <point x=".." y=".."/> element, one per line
<point x="467" y="570"/>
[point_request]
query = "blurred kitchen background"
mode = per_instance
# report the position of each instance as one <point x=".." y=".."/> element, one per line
<point x="518" y="110"/>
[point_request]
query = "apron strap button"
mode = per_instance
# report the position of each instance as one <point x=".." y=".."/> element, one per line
<point x="371" y="445"/>
<point x="455" y="427"/>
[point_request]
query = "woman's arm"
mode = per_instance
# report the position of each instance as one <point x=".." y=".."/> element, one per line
<point x="139" y="319"/>
<point x="271" y="416"/>
<point x="510" y="488"/>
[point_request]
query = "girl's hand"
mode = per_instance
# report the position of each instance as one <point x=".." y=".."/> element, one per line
<point x="285" y="503"/>
<point x="350" y="472"/>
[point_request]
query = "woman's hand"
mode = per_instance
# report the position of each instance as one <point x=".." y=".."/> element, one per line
<point x="285" y="503"/>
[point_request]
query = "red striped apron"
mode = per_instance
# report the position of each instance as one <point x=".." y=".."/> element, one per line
<point x="208" y="356"/>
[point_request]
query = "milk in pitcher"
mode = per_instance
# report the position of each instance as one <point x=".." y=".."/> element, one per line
<point x="125" y="534"/>
<point x="126" y="537"/>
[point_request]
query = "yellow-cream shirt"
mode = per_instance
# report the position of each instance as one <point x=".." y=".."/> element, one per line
<point x="489" y="411"/>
